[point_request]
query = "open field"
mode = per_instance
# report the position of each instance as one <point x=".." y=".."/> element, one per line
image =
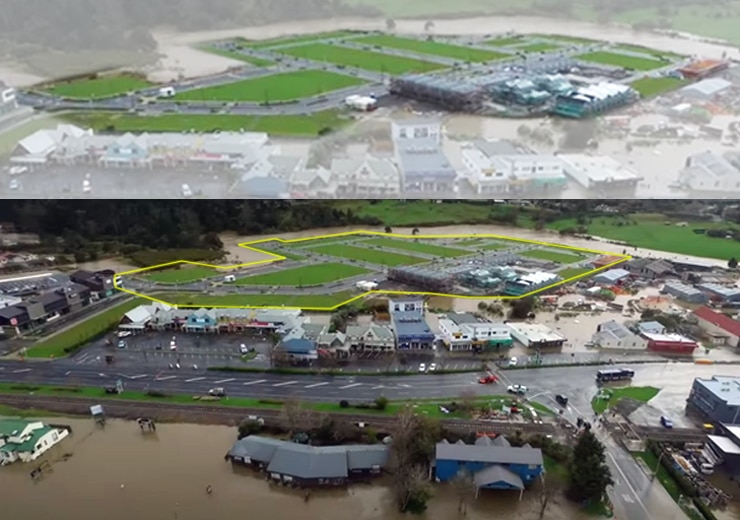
<point x="493" y="246"/>
<point x="652" y="232"/>
<point x="372" y="256"/>
<point x="65" y="342"/>
<point x="637" y="393"/>
<point x="186" y="274"/>
<point x="553" y="256"/>
<point x="287" y="86"/>
<point x="621" y="60"/>
<point x="505" y="41"/>
<point x="102" y="87"/>
<point x="646" y="50"/>
<point x="257" y="62"/>
<point x="303" y="244"/>
<point x="417" y="247"/>
<point x="562" y="38"/>
<point x="288" y="125"/>
<point x="420" y="213"/>
<point x="469" y="243"/>
<point x="572" y="272"/>
<point x="537" y="47"/>
<point x="653" y="86"/>
<point x="306" y="275"/>
<point x="361" y="59"/>
<point x="445" y="50"/>
<point x="320" y="302"/>
<point x="281" y="252"/>
<point x="293" y="40"/>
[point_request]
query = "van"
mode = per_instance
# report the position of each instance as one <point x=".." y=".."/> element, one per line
<point x="229" y="278"/>
<point x="243" y="350"/>
<point x="186" y="191"/>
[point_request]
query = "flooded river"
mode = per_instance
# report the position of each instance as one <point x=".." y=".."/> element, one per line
<point x="118" y="473"/>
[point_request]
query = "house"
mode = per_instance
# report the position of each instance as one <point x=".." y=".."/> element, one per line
<point x="536" y="335"/>
<point x="365" y="178"/>
<point x="99" y="284"/>
<point x="297" y="347"/>
<point x="650" y="327"/>
<point x="684" y="292"/>
<point x="315" y="183"/>
<point x="650" y="269"/>
<point x="409" y="325"/>
<point x="720" y="293"/>
<point x="141" y="317"/>
<point x="670" y="343"/>
<point x="718" y="325"/>
<point x="717" y="399"/>
<point x="474" y="336"/>
<point x="492" y="463"/>
<point x="307" y="466"/>
<point x="371" y="338"/>
<point x="256" y="186"/>
<point x="612" y="276"/>
<point x="615" y="335"/>
<point x="332" y="343"/>
<point x="26" y="441"/>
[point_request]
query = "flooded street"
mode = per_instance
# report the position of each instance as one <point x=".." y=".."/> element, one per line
<point x="119" y="474"/>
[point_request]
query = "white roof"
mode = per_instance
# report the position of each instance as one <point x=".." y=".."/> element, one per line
<point x="536" y="332"/>
<point x="708" y="87"/>
<point x="537" y="278"/>
<point x="673" y="338"/>
<point x="725" y="444"/>
<point x="590" y="169"/>
<point x="38" y="143"/>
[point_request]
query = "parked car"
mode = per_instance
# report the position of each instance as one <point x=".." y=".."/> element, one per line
<point x="422" y="367"/>
<point x="243" y="349"/>
<point x="217" y="392"/>
<point x="666" y="422"/>
<point x="111" y="390"/>
<point x="517" y="389"/>
<point x="15" y="184"/>
<point x="513" y="361"/>
<point x="186" y="191"/>
<point x="124" y="333"/>
<point x="433" y="367"/>
<point x="122" y="344"/>
<point x="561" y="399"/>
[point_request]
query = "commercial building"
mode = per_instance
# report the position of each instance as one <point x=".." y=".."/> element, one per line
<point x="612" y="276"/>
<point x="25" y="441"/>
<point x="710" y="174"/>
<point x="427" y="279"/>
<point x="409" y="325"/>
<point x="717" y="399"/>
<point x="100" y="283"/>
<point x="529" y="282"/>
<point x="589" y="100"/>
<point x="720" y="293"/>
<point x="615" y="335"/>
<point x="670" y="343"/>
<point x="365" y="178"/>
<point x="477" y="335"/>
<point x="703" y="68"/>
<point x="40" y="308"/>
<point x="536" y="335"/>
<point x="684" y="292"/>
<point x="722" y="329"/>
<point x="492" y="463"/>
<point x="600" y="175"/>
<point x="370" y="338"/>
<point x="727" y="447"/>
<point x="649" y="269"/>
<point x="706" y="89"/>
<point x="424" y="167"/>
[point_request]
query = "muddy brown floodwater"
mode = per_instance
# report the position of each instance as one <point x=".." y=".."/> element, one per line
<point x="118" y="473"/>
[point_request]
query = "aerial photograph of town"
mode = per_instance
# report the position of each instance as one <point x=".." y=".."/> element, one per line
<point x="550" y="359"/>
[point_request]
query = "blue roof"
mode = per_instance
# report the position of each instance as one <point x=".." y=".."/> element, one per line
<point x="267" y="186"/>
<point x="298" y="346"/>
<point x="411" y="323"/>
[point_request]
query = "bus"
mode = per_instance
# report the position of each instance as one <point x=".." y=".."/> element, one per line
<point x="614" y="374"/>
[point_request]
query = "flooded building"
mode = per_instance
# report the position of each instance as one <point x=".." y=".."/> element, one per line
<point x="722" y="329"/>
<point x="26" y="441"/>
<point x="615" y="335"/>
<point x="536" y="335"/>
<point x="717" y="399"/>
<point x="409" y="325"/>
<point x="460" y="334"/>
<point x="684" y="292"/>
<point x="601" y="175"/>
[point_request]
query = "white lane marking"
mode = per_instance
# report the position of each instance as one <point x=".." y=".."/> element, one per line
<point x="286" y="383"/>
<point x="350" y="386"/>
<point x="194" y="379"/>
<point x="626" y="481"/>
<point x="166" y="378"/>
<point x="405" y="386"/>
<point x="224" y="380"/>
<point x="67" y="372"/>
<point x="255" y="382"/>
<point x="627" y="498"/>
<point x="21" y="370"/>
<point x="377" y="387"/>
<point x="315" y="385"/>
<point x="140" y="376"/>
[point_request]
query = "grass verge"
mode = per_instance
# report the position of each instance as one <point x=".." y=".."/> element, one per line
<point x="100" y="87"/>
<point x="315" y="274"/>
<point x="608" y="397"/>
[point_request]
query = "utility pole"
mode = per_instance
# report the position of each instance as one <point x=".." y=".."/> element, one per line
<point x="657" y="466"/>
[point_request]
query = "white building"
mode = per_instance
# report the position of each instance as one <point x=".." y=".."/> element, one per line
<point x="708" y="173"/>
<point x="467" y="336"/>
<point x="371" y="338"/>
<point x="705" y="89"/>
<point x="600" y="174"/>
<point x="615" y="335"/>
<point x="412" y="129"/>
<point x="27" y="440"/>
<point x="367" y="177"/>
<point x="536" y="335"/>
<point x="7" y="300"/>
<point x="361" y="103"/>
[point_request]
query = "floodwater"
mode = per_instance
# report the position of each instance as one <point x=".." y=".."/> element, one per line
<point x="118" y="473"/>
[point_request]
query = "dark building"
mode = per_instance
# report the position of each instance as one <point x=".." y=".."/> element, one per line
<point x="716" y="399"/>
<point x="433" y="280"/>
<point x="409" y="325"/>
<point x="99" y="283"/>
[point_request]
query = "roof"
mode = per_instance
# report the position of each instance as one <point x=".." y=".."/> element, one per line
<point x="11" y="426"/>
<point x="265" y="186"/>
<point x="379" y="331"/>
<point x="29" y="443"/>
<point x="309" y="462"/>
<point x="613" y="274"/>
<point x="722" y="290"/>
<point x="725" y="388"/>
<point x="410" y="323"/>
<point x="488" y="454"/>
<point x="363" y="457"/>
<point x="654" y="327"/>
<point x="139" y="315"/>
<point x="725" y="444"/>
<point x="718" y="320"/>
<point x="615" y="329"/>
<point x="681" y="287"/>
<point x="419" y="157"/>
<point x="536" y="332"/>
<point x="496" y="473"/>
<point x="708" y="87"/>
<point x="460" y="318"/>
<point x="256" y="448"/>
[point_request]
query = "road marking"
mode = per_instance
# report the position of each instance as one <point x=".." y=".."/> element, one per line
<point x="21" y="370"/>
<point x="404" y="386"/>
<point x="67" y="372"/>
<point x="377" y="387"/>
<point x="194" y="379"/>
<point x="225" y="380"/>
<point x="315" y="385"/>
<point x="255" y="382"/>
<point x="627" y="498"/>
<point x="626" y="481"/>
<point x="350" y="386"/>
<point x="166" y="378"/>
<point x="286" y="383"/>
<point x="140" y="376"/>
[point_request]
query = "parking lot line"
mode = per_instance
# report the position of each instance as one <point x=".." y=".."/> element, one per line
<point x="286" y="383"/>
<point x="166" y="378"/>
<point x="350" y="386"/>
<point x="21" y="371"/>
<point x="255" y="382"/>
<point x="315" y="385"/>
<point x="225" y="380"/>
<point x="194" y="379"/>
<point x="140" y="376"/>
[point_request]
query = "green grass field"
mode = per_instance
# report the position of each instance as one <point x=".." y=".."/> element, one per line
<point x="102" y="87"/>
<point x="419" y="213"/>
<point x="417" y="247"/>
<point x="648" y="87"/>
<point x="316" y="274"/>
<point x="638" y="393"/>
<point x="469" y="242"/>
<point x="287" y="254"/>
<point x="621" y="60"/>
<point x="372" y="256"/>
<point x="652" y="232"/>
<point x="445" y="50"/>
<point x="493" y="246"/>
<point x="537" y="47"/>
<point x="238" y="56"/>
<point x="288" y="125"/>
<point x="287" y="86"/>
<point x="572" y="272"/>
<point x="553" y="256"/>
<point x="300" y="301"/>
<point x="561" y="38"/>
<point x="185" y="274"/>
<point x="505" y="41"/>
<point x="361" y="59"/>
<point x="646" y="50"/>
<point x="303" y="244"/>
<point x="293" y="40"/>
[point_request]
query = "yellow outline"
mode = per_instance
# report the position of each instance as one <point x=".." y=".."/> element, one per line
<point x="277" y="258"/>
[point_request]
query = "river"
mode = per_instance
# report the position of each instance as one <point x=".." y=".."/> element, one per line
<point x="118" y="473"/>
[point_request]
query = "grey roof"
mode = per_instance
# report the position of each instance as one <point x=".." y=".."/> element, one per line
<point x="496" y="473"/>
<point x="501" y="441"/>
<point x="312" y="330"/>
<point x="680" y="287"/>
<point x="708" y="87"/>
<point x="379" y="331"/>
<point x="265" y="186"/>
<point x="364" y="457"/>
<point x="491" y="148"/>
<point x="308" y="462"/>
<point x="712" y="164"/>
<point x="460" y="318"/>
<point x="410" y="323"/>
<point x="489" y="454"/>
<point x="613" y="274"/>
<point x="720" y="289"/>
<point x="615" y="329"/>
<point x="650" y="326"/>
<point x="725" y="388"/>
<point x="423" y="157"/>
<point x="257" y="448"/>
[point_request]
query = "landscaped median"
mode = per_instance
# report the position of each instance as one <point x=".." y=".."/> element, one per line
<point x="608" y="397"/>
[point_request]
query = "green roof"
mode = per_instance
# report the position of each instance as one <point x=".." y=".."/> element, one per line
<point x="8" y="426"/>
<point x="30" y="444"/>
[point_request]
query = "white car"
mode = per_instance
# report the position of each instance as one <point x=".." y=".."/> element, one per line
<point x="15" y="184"/>
<point x="86" y="186"/>
<point x="422" y="367"/>
<point x="513" y="361"/>
<point x="433" y="367"/>
<point x="124" y="334"/>
<point x="517" y="389"/>
<point x="186" y="191"/>
<point x="243" y="349"/>
<point x="173" y="345"/>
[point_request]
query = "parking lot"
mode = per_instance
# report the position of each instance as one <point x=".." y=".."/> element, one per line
<point x="16" y="284"/>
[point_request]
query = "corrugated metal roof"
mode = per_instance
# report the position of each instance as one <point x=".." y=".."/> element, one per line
<point x="489" y="454"/>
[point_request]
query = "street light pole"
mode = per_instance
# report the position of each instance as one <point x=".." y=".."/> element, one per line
<point x="657" y="466"/>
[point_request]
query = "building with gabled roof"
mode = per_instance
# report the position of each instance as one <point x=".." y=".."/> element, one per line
<point x="614" y="335"/>
<point x="26" y="440"/>
<point x="371" y="337"/>
<point x="719" y="325"/>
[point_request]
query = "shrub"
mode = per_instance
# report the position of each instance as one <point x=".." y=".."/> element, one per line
<point x="381" y="403"/>
<point x="343" y="404"/>
<point x="156" y="393"/>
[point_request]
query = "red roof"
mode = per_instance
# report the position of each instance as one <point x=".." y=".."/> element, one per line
<point x="718" y="320"/>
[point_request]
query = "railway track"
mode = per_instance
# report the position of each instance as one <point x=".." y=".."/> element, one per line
<point x="673" y="435"/>
<point x="220" y="414"/>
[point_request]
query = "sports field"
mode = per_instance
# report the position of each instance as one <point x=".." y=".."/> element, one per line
<point x="537" y="47"/>
<point x="234" y="55"/>
<point x="493" y="246"/>
<point x="469" y="242"/>
<point x="562" y="38"/>
<point x="293" y="40"/>
<point x="301" y="301"/>
<point x="288" y="86"/>
<point x="185" y="274"/>
<point x="445" y="50"/>
<point x="553" y="256"/>
<point x="417" y="247"/>
<point x="571" y="272"/>
<point x="653" y="86"/>
<point x="621" y="60"/>
<point x="505" y="41"/>
<point x="107" y="86"/>
<point x="372" y="256"/>
<point x="361" y="59"/>
<point x="316" y="274"/>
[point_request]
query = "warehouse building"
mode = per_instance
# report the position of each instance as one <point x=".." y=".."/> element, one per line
<point x="536" y="335"/>
<point x="427" y="279"/>
<point x="706" y="89"/>
<point x="445" y="92"/>
<point x="615" y="335"/>
<point x="670" y="343"/>
<point x="594" y="99"/>
<point x="529" y="283"/>
<point x="612" y="276"/>
<point x="722" y="329"/>
<point x="720" y="293"/>
<point x="684" y="292"/>
<point x="600" y="175"/>
<point x="717" y="399"/>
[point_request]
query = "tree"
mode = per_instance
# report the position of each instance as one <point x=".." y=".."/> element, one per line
<point x="415" y="231"/>
<point x="249" y="427"/>
<point x="522" y="308"/>
<point x="464" y="486"/>
<point x="293" y="414"/>
<point x="588" y="472"/>
<point x="545" y="497"/>
<point x="388" y="229"/>
<point x="732" y="264"/>
<point x="467" y="400"/>
<point x="390" y="24"/>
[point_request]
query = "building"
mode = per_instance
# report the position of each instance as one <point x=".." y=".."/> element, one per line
<point x="536" y="335"/>
<point x="720" y="293"/>
<point x="710" y="174"/>
<point x="39" y="308"/>
<point x="727" y="447"/>
<point x="99" y="283"/>
<point x="26" y="441"/>
<point x="670" y="343"/>
<point x="9" y="301"/>
<point x="615" y="335"/>
<point x="365" y="178"/>
<point x="684" y="292"/>
<point x="717" y="399"/>
<point x="409" y="325"/>
<point x="703" y="68"/>
<point x="295" y="346"/>
<point x="593" y="99"/>
<point x="723" y="329"/>
<point x="492" y="463"/>
<point x="371" y="338"/>
<point x="308" y="466"/>
<point x="424" y="167"/>
<point x="706" y="89"/>
<point x="649" y="268"/>
<point x="478" y="335"/>
<point x="600" y="175"/>
<point x="650" y="327"/>
<point x="612" y="276"/>
<point x="8" y="101"/>
<point x="529" y="283"/>
<point x="428" y="279"/>
<point x="606" y="260"/>
<point x="315" y="183"/>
